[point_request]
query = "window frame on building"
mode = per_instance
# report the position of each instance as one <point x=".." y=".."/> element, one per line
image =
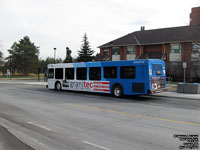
<point x="175" y="50"/>
<point x="106" y="52"/>
<point x="128" y="51"/>
<point x="196" y="47"/>
<point x="115" y="50"/>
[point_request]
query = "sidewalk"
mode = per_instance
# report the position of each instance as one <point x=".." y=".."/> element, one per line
<point x="174" y="94"/>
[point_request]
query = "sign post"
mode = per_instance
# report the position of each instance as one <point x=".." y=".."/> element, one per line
<point x="184" y="67"/>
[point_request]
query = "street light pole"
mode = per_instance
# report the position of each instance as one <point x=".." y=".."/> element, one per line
<point x="54" y="55"/>
<point x="10" y="69"/>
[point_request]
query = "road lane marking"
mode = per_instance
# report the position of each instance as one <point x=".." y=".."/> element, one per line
<point x="95" y="145"/>
<point x="38" y="125"/>
<point x="133" y="114"/>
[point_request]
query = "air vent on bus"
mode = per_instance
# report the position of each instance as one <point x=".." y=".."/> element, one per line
<point x="138" y="88"/>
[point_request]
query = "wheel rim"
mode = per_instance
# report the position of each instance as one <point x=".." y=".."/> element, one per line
<point x="117" y="92"/>
<point x="58" y="86"/>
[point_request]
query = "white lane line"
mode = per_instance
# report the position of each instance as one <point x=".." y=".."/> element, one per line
<point x="41" y="126"/>
<point x="98" y="146"/>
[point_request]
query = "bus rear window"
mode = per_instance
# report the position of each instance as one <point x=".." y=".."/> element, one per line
<point x="157" y="68"/>
<point x="51" y="73"/>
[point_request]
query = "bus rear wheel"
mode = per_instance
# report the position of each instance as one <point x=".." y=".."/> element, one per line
<point x="58" y="86"/>
<point x="117" y="91"/>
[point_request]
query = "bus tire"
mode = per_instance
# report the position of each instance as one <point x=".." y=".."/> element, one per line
<point x="58" y="86"/>
<point x="117" y="91"/>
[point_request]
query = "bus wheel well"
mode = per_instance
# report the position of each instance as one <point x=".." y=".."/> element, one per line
<point x="117" y="90"/>
<point x="58" y="85"/>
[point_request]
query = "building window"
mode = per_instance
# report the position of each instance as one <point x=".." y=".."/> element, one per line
<point x="115" y="51"/>
<point x="106" y="52"/>
<point x="110" y="72"/>
<point x="195" y="47"/>
<point x="131" y="50"/>
<point x="175" y="48"/>
<point x="95" y="73"/>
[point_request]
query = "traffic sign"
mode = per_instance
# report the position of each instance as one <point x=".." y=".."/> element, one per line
<point x="184" y="64"/>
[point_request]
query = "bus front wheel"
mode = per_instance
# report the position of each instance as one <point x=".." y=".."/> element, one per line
<point x="117" y="91"/>
<point x="58" y="86"/>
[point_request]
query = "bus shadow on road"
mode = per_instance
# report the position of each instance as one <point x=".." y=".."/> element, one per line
<point x="110" y="97"/>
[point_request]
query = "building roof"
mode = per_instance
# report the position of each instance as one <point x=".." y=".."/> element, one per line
<point x="158" y="36"/>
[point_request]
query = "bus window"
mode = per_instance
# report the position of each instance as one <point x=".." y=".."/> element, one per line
<point x="69" y="73"/>
<point x="157" y="69"/>
<point x="81" y="74"/>
<point x="127" y="72"/>
<point x="59" y="73"/>
<point x="51" y="73"/>
<point x="95" y="73"/>
<point x="110" y="72"/>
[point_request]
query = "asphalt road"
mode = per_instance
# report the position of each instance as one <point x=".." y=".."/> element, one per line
<point x="51" y="120"/>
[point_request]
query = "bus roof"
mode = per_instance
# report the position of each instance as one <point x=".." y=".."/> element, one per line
<point x="105" y="63"/>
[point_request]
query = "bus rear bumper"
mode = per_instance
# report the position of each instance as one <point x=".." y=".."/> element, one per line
<point x="158" y="91"/>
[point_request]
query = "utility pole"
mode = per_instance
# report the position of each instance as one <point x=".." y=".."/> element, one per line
<point x="54" y="55"/>
<point x="184" y="67"/>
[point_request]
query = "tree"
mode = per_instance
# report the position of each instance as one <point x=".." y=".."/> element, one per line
<point x="49" y="60"/>
<point x="86" y="53"/>
<point x="24" y="56"/>
<point x="68" y="58"/>
<point x="1" y="58"/>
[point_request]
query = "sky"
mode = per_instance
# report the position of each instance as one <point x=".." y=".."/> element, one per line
<point x="62" y="23"/>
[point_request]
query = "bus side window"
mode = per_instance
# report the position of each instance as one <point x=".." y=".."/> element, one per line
<point x="95" y="73"/>
<point x="59" y="73"/>
<point x="81" y="74"/>
<point x="127" y="72"/>
<point x="69" y="73"/>
<point x="50" y="73"/>
<point x="110" y="72"/>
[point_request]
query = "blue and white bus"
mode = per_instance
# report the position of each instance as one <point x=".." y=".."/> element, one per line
<point x="129" y="77"/>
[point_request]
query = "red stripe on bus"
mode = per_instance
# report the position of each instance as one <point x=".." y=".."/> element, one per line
<point x="100" y="86"/>
<point x="104" y="90"/>
<point x="100" y="82"/>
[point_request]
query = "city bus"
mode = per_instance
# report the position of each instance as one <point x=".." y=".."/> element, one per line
<point x="127" y="77"/>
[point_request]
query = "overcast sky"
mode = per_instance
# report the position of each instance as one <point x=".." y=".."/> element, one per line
<point x="62" y="23"/>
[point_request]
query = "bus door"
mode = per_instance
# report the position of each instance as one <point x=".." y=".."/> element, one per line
<point x="50" y="78"/>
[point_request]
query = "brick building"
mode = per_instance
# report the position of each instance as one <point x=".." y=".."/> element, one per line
<point x="174" y="45"/>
